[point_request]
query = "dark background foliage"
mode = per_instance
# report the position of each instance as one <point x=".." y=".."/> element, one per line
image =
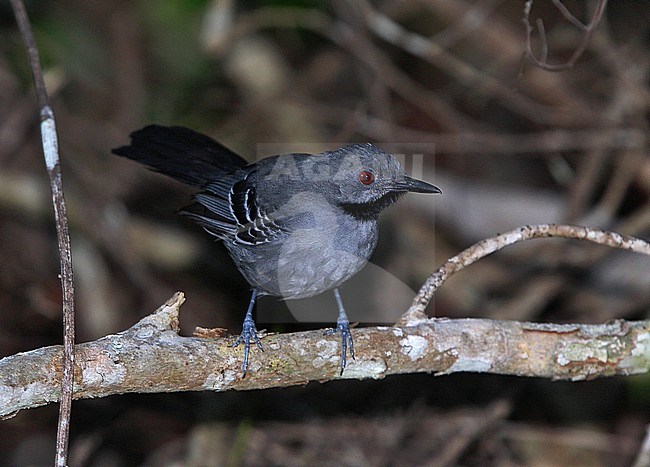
<point x="443" y="83"/>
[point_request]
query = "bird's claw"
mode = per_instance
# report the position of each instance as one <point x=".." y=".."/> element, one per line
<point x="249" y="331"/>
<point x="343" y="328"/>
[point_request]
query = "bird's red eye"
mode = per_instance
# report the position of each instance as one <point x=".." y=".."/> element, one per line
<point x="367" y="178"/>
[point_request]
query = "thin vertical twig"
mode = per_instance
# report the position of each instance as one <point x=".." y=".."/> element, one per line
<point x="51" y="153"/>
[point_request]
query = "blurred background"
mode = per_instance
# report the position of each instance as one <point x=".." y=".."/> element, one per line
<point x="443" y="83"/>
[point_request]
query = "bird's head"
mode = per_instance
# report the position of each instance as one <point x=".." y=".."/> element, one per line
<point x="361" y="179"/>
<point x="368" y="180"/>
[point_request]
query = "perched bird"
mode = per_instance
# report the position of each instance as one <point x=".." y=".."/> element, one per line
<point x="295" y="225"/>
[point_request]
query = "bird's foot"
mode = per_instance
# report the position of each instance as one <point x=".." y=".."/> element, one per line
<point x="343" y="328"/>
<point x="249" y="331"/>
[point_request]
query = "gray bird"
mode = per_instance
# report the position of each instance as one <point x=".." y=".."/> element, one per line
<point x="295" y="225"/>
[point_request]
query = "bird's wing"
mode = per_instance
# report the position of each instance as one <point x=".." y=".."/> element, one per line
<point x="228" y="209"/>
<point x="255" y="224"/>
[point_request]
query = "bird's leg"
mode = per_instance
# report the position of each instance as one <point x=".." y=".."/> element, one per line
<point x="343" y="327"/>
<point x="248" y="331"/>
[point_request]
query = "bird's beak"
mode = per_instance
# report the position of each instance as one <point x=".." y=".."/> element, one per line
<point x="416" y="186"/>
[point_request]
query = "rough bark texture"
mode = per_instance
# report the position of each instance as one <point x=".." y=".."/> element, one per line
<point x="152" y="357"/>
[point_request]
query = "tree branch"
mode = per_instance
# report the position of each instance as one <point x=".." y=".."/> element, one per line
<point x="520" y="234"/>
<point x="152" y="357"/>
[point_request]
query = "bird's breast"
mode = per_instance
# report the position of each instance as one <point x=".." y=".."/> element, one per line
<point x="309" y="260"/>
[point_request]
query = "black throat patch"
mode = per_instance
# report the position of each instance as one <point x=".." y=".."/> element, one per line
<point x="371" y="210"/>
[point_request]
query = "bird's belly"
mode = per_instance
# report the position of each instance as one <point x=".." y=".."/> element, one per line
<point x="305" y="264"/>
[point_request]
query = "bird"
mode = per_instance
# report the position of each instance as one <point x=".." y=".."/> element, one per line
<point x="295" y="225"/>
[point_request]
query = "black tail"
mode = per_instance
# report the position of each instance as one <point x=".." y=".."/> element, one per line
<point x="181" y="153"/>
